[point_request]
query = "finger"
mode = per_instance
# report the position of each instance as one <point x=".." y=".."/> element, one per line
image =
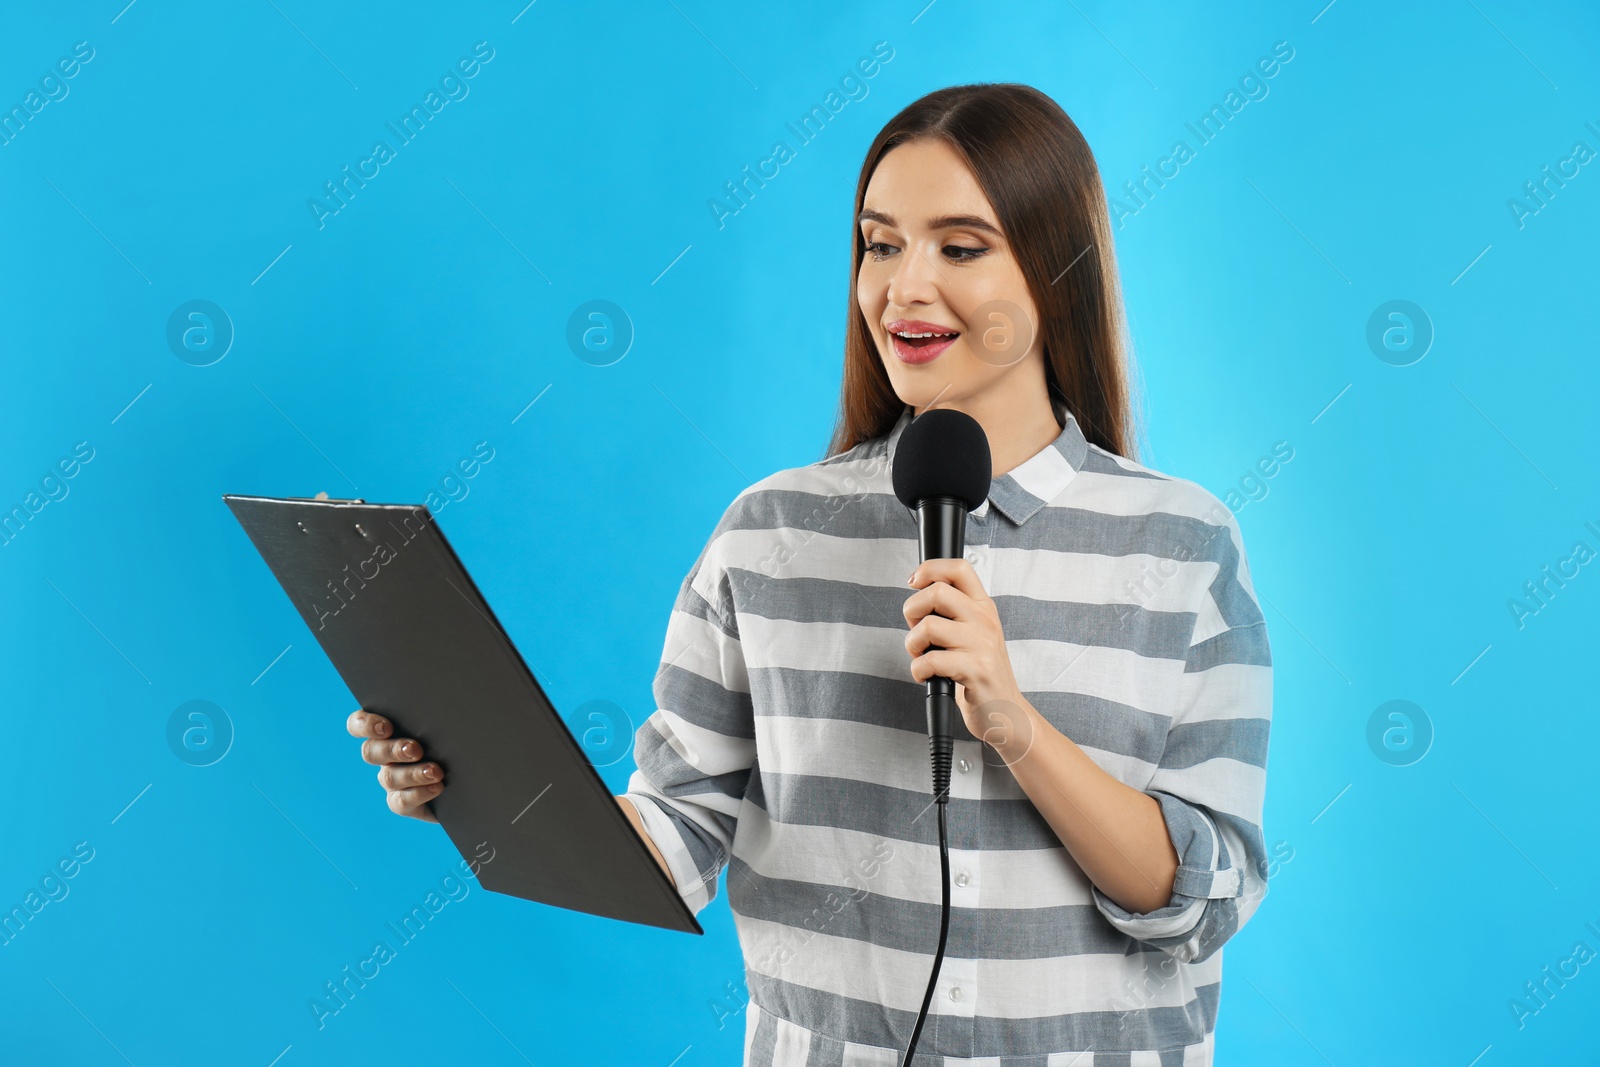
<point x="957" y="572"/>
<point x="399" y="750"/>
<point x="368" y="724"/>
<point x="940" y="663"/>
<point x="940" y="598"/>
<point x="411" y="801"/>
<point x="934" y="630"/>
<point x="407" y="775"/>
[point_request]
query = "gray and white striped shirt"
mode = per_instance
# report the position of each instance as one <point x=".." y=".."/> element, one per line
<point x="789" y="745"/>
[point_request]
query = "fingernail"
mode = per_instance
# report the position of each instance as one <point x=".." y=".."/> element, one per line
<point x="380" y="728"/>
<point x="408" y="750"/>
<point x="912" y="578"/>
<point x="431" y="772"/>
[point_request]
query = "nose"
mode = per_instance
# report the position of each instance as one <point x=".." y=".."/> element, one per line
<point x="914" y="281"/>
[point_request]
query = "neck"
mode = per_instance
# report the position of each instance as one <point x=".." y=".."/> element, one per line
<point x="1017" y="431"/>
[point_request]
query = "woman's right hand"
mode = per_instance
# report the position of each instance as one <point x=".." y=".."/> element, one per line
<point x="410" y="783"/>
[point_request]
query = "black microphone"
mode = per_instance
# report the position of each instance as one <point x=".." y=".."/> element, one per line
<point x="941" y="470"/>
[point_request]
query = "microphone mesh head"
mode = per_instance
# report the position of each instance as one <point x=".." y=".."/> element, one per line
<point x="942" y="452"/>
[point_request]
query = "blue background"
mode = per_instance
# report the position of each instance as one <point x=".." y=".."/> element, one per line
<point x="374" y="351"/>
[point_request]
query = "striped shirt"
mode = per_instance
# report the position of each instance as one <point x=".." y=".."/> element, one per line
<point x="789" y="746"/>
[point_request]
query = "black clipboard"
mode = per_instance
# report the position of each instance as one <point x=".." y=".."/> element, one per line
<point x="406" y="628"/>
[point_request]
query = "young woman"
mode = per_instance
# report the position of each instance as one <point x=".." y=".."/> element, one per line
<point x="1113" y="668"/>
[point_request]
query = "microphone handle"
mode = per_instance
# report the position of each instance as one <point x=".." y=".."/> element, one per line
<point x="942" y="534"/>
<point x="942" y="711"/>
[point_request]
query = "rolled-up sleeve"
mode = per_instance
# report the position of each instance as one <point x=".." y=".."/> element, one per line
<point x="695" y="751"/>
<point x="1211" y="779"/>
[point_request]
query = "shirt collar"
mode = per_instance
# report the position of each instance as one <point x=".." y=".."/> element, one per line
<point x="1033" y="483"/>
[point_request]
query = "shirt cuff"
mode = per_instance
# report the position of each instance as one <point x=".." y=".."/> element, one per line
<point x="686" y="877"/>
<point x="1203" y="873"/>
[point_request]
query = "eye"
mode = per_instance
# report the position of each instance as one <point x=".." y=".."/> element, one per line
<point x="878" y="250"/>
<point x="965" y="253"/>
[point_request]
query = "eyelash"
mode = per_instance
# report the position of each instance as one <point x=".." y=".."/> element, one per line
<point x="969" y="253"/>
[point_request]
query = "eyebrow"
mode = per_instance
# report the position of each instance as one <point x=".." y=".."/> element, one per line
<point x="943" y="222"/>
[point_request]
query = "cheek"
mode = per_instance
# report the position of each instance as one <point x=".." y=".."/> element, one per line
<point x="871" y="298"/>
<point x="871" y="291"/>
<point x="1002" y="330"/>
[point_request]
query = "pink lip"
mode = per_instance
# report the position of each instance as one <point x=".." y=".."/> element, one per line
<point x="909" y="353"/>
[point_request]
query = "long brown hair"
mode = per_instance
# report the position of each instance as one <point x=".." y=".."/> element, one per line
<point x="1036" y="169"/>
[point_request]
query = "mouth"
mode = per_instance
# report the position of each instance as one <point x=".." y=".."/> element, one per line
<point x="920" y="342"/>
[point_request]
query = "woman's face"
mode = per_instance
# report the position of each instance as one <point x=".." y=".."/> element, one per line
<point x="937" y="263"/>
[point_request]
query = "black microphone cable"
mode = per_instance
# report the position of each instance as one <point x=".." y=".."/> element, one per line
<point x="941" y="709"/>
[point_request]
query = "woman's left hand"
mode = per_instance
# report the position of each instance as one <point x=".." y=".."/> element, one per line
<point x="951" y="610"/>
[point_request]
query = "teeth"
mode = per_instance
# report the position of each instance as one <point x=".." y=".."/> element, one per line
<point x="902" y="333"/>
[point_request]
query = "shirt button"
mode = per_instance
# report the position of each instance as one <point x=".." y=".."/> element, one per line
<point x="963" y="765"/>
<point x="955" y="992"/>
<point x="961" y="878"/>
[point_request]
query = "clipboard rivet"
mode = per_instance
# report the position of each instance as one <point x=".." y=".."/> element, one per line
<point x="302" y="527"/>
<point x="360" y="531"/>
